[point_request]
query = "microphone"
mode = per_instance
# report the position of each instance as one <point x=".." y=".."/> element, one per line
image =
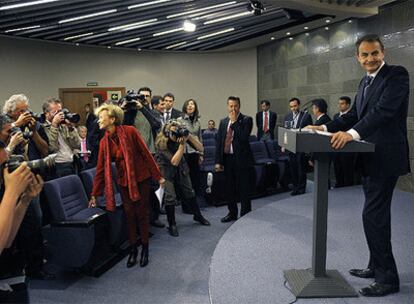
<point x="305" y="111"/>
<point x="209" y="182"/>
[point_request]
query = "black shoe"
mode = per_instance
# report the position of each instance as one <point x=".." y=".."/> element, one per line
<point x="132" y="259"/>
<point x="379" y="290"/>
<point x="367" y="273"/>
<point x="41" y="275"/>
<point x="157" y="223"/>
<point x="229" y="218"/>
<point x="201" y="220"/>
<point x="144" y="256"/>
<point x="173" y="230"/>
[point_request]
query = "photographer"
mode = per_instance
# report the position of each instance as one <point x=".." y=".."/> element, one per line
<point x="170" y="143"/>
<point x="63" y="136"/>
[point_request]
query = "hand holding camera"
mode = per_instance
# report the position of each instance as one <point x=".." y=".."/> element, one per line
<point x="18" y="180"/>
<point x="58" y="118"/>
<point x="16" y="139"/>
<point x="24" y="120"/>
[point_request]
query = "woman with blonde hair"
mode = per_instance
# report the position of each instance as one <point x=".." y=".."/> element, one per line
<point x="170" y="145"/>
<point x="135" y="168"/>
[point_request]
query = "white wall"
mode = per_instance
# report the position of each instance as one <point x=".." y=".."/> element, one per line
<point x="39" y="69"/>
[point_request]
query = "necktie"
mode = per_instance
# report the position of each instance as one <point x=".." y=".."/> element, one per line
<point x="367" y="83"/>
<point x="84" y="150"/>
<point x="266" y="123"/>
<point x="168" y="116"/>
<point x="228" y="140"/>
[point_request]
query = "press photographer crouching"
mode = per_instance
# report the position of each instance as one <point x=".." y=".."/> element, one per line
<point x="18" y="188"/>
<point x="170" y="144"/>
<point x="63" y="136"/>
<point x="28" y="142"/>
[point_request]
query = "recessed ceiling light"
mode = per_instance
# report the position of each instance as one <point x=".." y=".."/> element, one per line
<point x="216" y="33"/>
<point x="132" y="26"/>
<point x="77" y="44"/>
<point x="108" y="47"/>
<point x="288" y="33"/>
<point x="175" y="45"/>
<point x="147" y="3"/>
<point x="307" y="34"/>
<point x="88" y="16"/>
<point x="327" y="20"/>
<point x="22" y="29"/>
<point x="306" y="28"/>
<point x="201" y="9"/>
<point x="167" y="32"/>
<point x="290" y="38"/>
<point x="326" y="28"/>
<point x="189" y="26"/>
<point x="77" y="36"/>
<point x="11" y="6"/>
<point x="272" y="38"/>
<point x="349" y="21"/>
<point x="139" y="49"/>
<point x="128" y="41"/>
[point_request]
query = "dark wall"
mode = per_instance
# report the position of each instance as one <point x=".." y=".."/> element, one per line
<point x="323" y="64"/>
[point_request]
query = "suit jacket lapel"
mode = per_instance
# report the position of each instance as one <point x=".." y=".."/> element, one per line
<point x="371" y="89"/>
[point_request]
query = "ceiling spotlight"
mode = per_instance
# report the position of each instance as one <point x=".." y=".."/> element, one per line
<point x="290" y="38"/>
<point x="326" y="28"/>
<point x="306" y="28"/>
<point x="256" y="7"/>
<point x="77" y="44"/>
<point x="189" y="26"/>
<point x="108" y="47"/>
<point x="272" y="38"/>
<point x="288" y="33"/>
<point x="327" y="20"/>
<point x="349" y="21"/>
<point x="307" y="34"/>
<point x="139" y="49"/>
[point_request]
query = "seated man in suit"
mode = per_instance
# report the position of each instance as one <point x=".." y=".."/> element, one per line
<point x="266" y="122"/>
<point x="297" y="162"/>
<point x="378" y="115"/>
<point x="344" y="163"/>
<point x="233" y="154"/>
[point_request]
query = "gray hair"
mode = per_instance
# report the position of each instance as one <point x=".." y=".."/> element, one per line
<point x="10" y="104"/>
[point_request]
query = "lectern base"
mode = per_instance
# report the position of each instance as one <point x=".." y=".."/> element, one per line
<point x="305" y="285"/>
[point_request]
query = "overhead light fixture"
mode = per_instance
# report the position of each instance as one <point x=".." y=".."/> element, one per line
<point x="306" y="28"/>
<point x="77" y="44"/>
<point x="307" y="34"/>
<point x="228" y="17"/>
<point x="272" y="38"/>
<point x="290" y="38"/>
<point x="216" y="33"/>
<point x="78" y="36"/>
<point x="128" y="41"/>
<point x="175" y="45"/>
<point x="201" y="9"/>
<point x="189" y="26"/>
<point x="167" y="32"/>
<point x="108" y="47"/>
<point x="327" y="20"/>
<point x="88" y="16"/>
<point x="139" y="49"/>
<point x="326" y="28"/>
<point x="22" y="29"/>
<point x="256" y="7"/>
<point x="19" y="5"/>
<point x="288" y="33"/>
<point x="147" y="3"/>
<point x="349" y="21"/>
<point x="132" y="26"/>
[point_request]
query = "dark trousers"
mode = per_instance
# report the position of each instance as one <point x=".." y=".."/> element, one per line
<point x="154" y="204"/>
<point x="344" y="166"/>
<point x="297" y="165"/>
<point x="376" y="218"/>
<point x="137" y="211"/>
<point x="20" y="294"/>
<point x="64" y="169"/>
<point x="192" y="160"/>
<point x="30" y="240"/>
<point x="237" y="186"/>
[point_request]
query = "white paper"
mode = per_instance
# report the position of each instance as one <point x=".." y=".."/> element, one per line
<point x="160" y="194"/>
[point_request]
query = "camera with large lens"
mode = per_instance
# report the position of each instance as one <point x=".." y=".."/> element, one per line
<point x="36" y="116"/>
<point x="131" y="98"/>
<point x="72" y="117"/>
<point x="41" y="166"/>
<point x="27" y="134"/>
<point x="180" y="131"/>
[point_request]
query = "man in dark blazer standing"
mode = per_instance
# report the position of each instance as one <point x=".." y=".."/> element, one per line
<point x="233" y="154"/>
<point x="378" y="115"/>
<point x="266" y="122"/>
<point x="170" y="112"/>
<point x="297" y="162"/>
<point x="344" y="163"/>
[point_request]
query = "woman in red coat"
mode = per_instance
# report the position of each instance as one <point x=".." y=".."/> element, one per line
<point x="135" y="168"/>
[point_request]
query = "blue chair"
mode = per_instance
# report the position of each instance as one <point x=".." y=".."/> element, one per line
<point x="282" y="162"/>
<point x="209" y="142"/>
<point x="265" y="167"/>
<point x="78" y="234"/>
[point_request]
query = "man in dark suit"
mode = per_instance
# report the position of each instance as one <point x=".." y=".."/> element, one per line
<point x="344" y="163"/>
<point x="234" y="155"/>
<point x="378" y="115"/>
<point x="266" y="122"/>
<point x="170" y="112"/>
<point x="297" y="162"/>
<point x="89" y="117"/>
<point x="319" y="110"/>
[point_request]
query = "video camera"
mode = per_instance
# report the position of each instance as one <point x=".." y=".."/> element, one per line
<point x="180" y="131"/>
<point x="131" y="98"/>
<point x="41" y="166"/>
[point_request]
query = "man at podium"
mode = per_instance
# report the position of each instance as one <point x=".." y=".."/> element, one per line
<point x="378" y="115"/>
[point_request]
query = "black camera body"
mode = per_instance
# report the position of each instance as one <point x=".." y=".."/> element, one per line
<point x="131" y="98"/>
<point x="72" y="117"/>
<point x="41" y="166"/>
<point x="180" y="132"/>
<point x="36" y="116"/>
<point x="27" y="134"/>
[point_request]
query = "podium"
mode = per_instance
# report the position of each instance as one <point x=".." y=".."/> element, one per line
<point x="317" y="282"/>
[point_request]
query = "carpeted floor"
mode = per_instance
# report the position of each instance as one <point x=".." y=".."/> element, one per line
<point x="248" y="263"/>
<point x="178" y="271"/>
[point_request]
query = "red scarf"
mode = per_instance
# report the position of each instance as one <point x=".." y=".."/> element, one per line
<point x="126" y="146"/>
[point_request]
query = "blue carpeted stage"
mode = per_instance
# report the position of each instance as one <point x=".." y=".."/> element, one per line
<point x="247" y="265"/>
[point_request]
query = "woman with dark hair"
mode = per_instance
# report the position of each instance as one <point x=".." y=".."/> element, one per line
<point x="170" y="145"/>
<point x="135" y="168"/>
<point x="190" y="120"/>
